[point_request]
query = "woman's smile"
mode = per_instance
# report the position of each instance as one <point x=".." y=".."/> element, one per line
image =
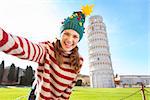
<point x="69" y="39"/>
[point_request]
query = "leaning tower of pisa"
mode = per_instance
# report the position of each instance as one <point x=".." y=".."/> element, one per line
<point x="101" y="72"/>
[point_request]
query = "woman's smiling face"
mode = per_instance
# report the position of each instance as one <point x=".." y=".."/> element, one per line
<point x="69" y="39"/>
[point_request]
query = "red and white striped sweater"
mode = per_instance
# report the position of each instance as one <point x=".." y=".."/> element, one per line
<point x="53" y="82"/>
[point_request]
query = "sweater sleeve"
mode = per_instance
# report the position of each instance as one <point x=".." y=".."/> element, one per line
<point x="21" y="47"/>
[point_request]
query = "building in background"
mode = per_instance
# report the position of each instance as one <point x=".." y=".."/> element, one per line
<point x="85" y="80"/>
<point x="101" y="71"/>
<point x="132" y="80"/>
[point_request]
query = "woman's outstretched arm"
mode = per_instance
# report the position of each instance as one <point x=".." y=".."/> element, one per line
<point x="21" y="47"/>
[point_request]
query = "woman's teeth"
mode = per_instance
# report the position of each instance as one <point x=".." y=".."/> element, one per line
<point x="68" y="44"/>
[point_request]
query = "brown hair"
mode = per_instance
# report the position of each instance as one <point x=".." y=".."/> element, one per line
<point x="74" y="56"/>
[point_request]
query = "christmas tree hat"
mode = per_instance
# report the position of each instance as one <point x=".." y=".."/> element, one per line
<point x="76" y="20"/>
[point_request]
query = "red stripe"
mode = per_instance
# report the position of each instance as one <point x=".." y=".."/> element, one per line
<point x="52" y="48"/>
<point x="4" y="39"/>
<point x="68" y="70"/>
<point x="65" y="56"/>
<point x="46" y="71"/>
<point x="20" y="40"/>
<point x="64" y="97"/>
<point x="41" y="64"/>
<point x="70" y="87"/>
<point x="48" y="90"/>
<point x="39" y="70"/>
<point x="61" y="75"/>
<point x="38" y="53"/>
<point x="48" y="81"/>
<point x="67" y="63"/>
<point x="47" y="62"/>
<point x="46" y="98"/>
<point x="34" y="51"/>
<point x="67" y="92"/>
<point x="15" y="46"/>
<point x="20" y="54"/>
<point x="39" y="76"/>
<point x="58" y="82"/>
<point x="58" y="74"/>
<point x="21" y="44"/>
<point x="28" y="49"/>
<point x="58" y="90"/>
<point x="41" y="54"/>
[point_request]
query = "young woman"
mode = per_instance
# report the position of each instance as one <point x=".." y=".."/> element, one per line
<point x="59" y="62"/>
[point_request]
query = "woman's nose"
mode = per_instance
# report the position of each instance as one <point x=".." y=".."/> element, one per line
<point x="69" y="40"/>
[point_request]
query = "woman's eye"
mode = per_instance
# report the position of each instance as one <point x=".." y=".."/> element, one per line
<point x="75" y="36"/>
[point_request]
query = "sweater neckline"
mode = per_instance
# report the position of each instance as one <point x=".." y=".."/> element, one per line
<point x="64" y="53"/>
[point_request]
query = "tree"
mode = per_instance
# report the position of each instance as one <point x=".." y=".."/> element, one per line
<point x="22" y="80"/>
<point x="1" y="70"/>
<point x="27" y="79"/>
<point x="29" y="75"/>
<point x="17" y="74"/>
<point x="11" y="74"/>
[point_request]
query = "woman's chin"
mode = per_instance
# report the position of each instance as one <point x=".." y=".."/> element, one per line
<point x="67" y="49"/>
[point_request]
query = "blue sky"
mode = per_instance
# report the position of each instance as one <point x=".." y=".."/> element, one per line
<point x="126" y="24"/>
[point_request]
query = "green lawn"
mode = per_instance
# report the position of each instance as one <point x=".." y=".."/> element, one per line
<point x="79" y="93"/>
<point x="11" y="93"/>
<point x="106" y="94"/>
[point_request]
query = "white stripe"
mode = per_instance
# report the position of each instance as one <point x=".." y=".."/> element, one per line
<point x="25" y="48"/>
<point x="72" y="75"/>
<point x="8" y="44"/>
<point x="48" y="48"/>
<point x="36" y="52"/>
<point x="65" y="95"/>
<point x="31" y="51"/>
<point x="57" y="85"/>
<point x="42" y="53"/>
<point x="48" y="94"/>
<point x="47" y="85"/>
<point x="19" y="49"/>
<point x="60" y="79"/>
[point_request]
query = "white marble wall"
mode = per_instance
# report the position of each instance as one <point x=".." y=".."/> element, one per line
<point x="101" y="72"/>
